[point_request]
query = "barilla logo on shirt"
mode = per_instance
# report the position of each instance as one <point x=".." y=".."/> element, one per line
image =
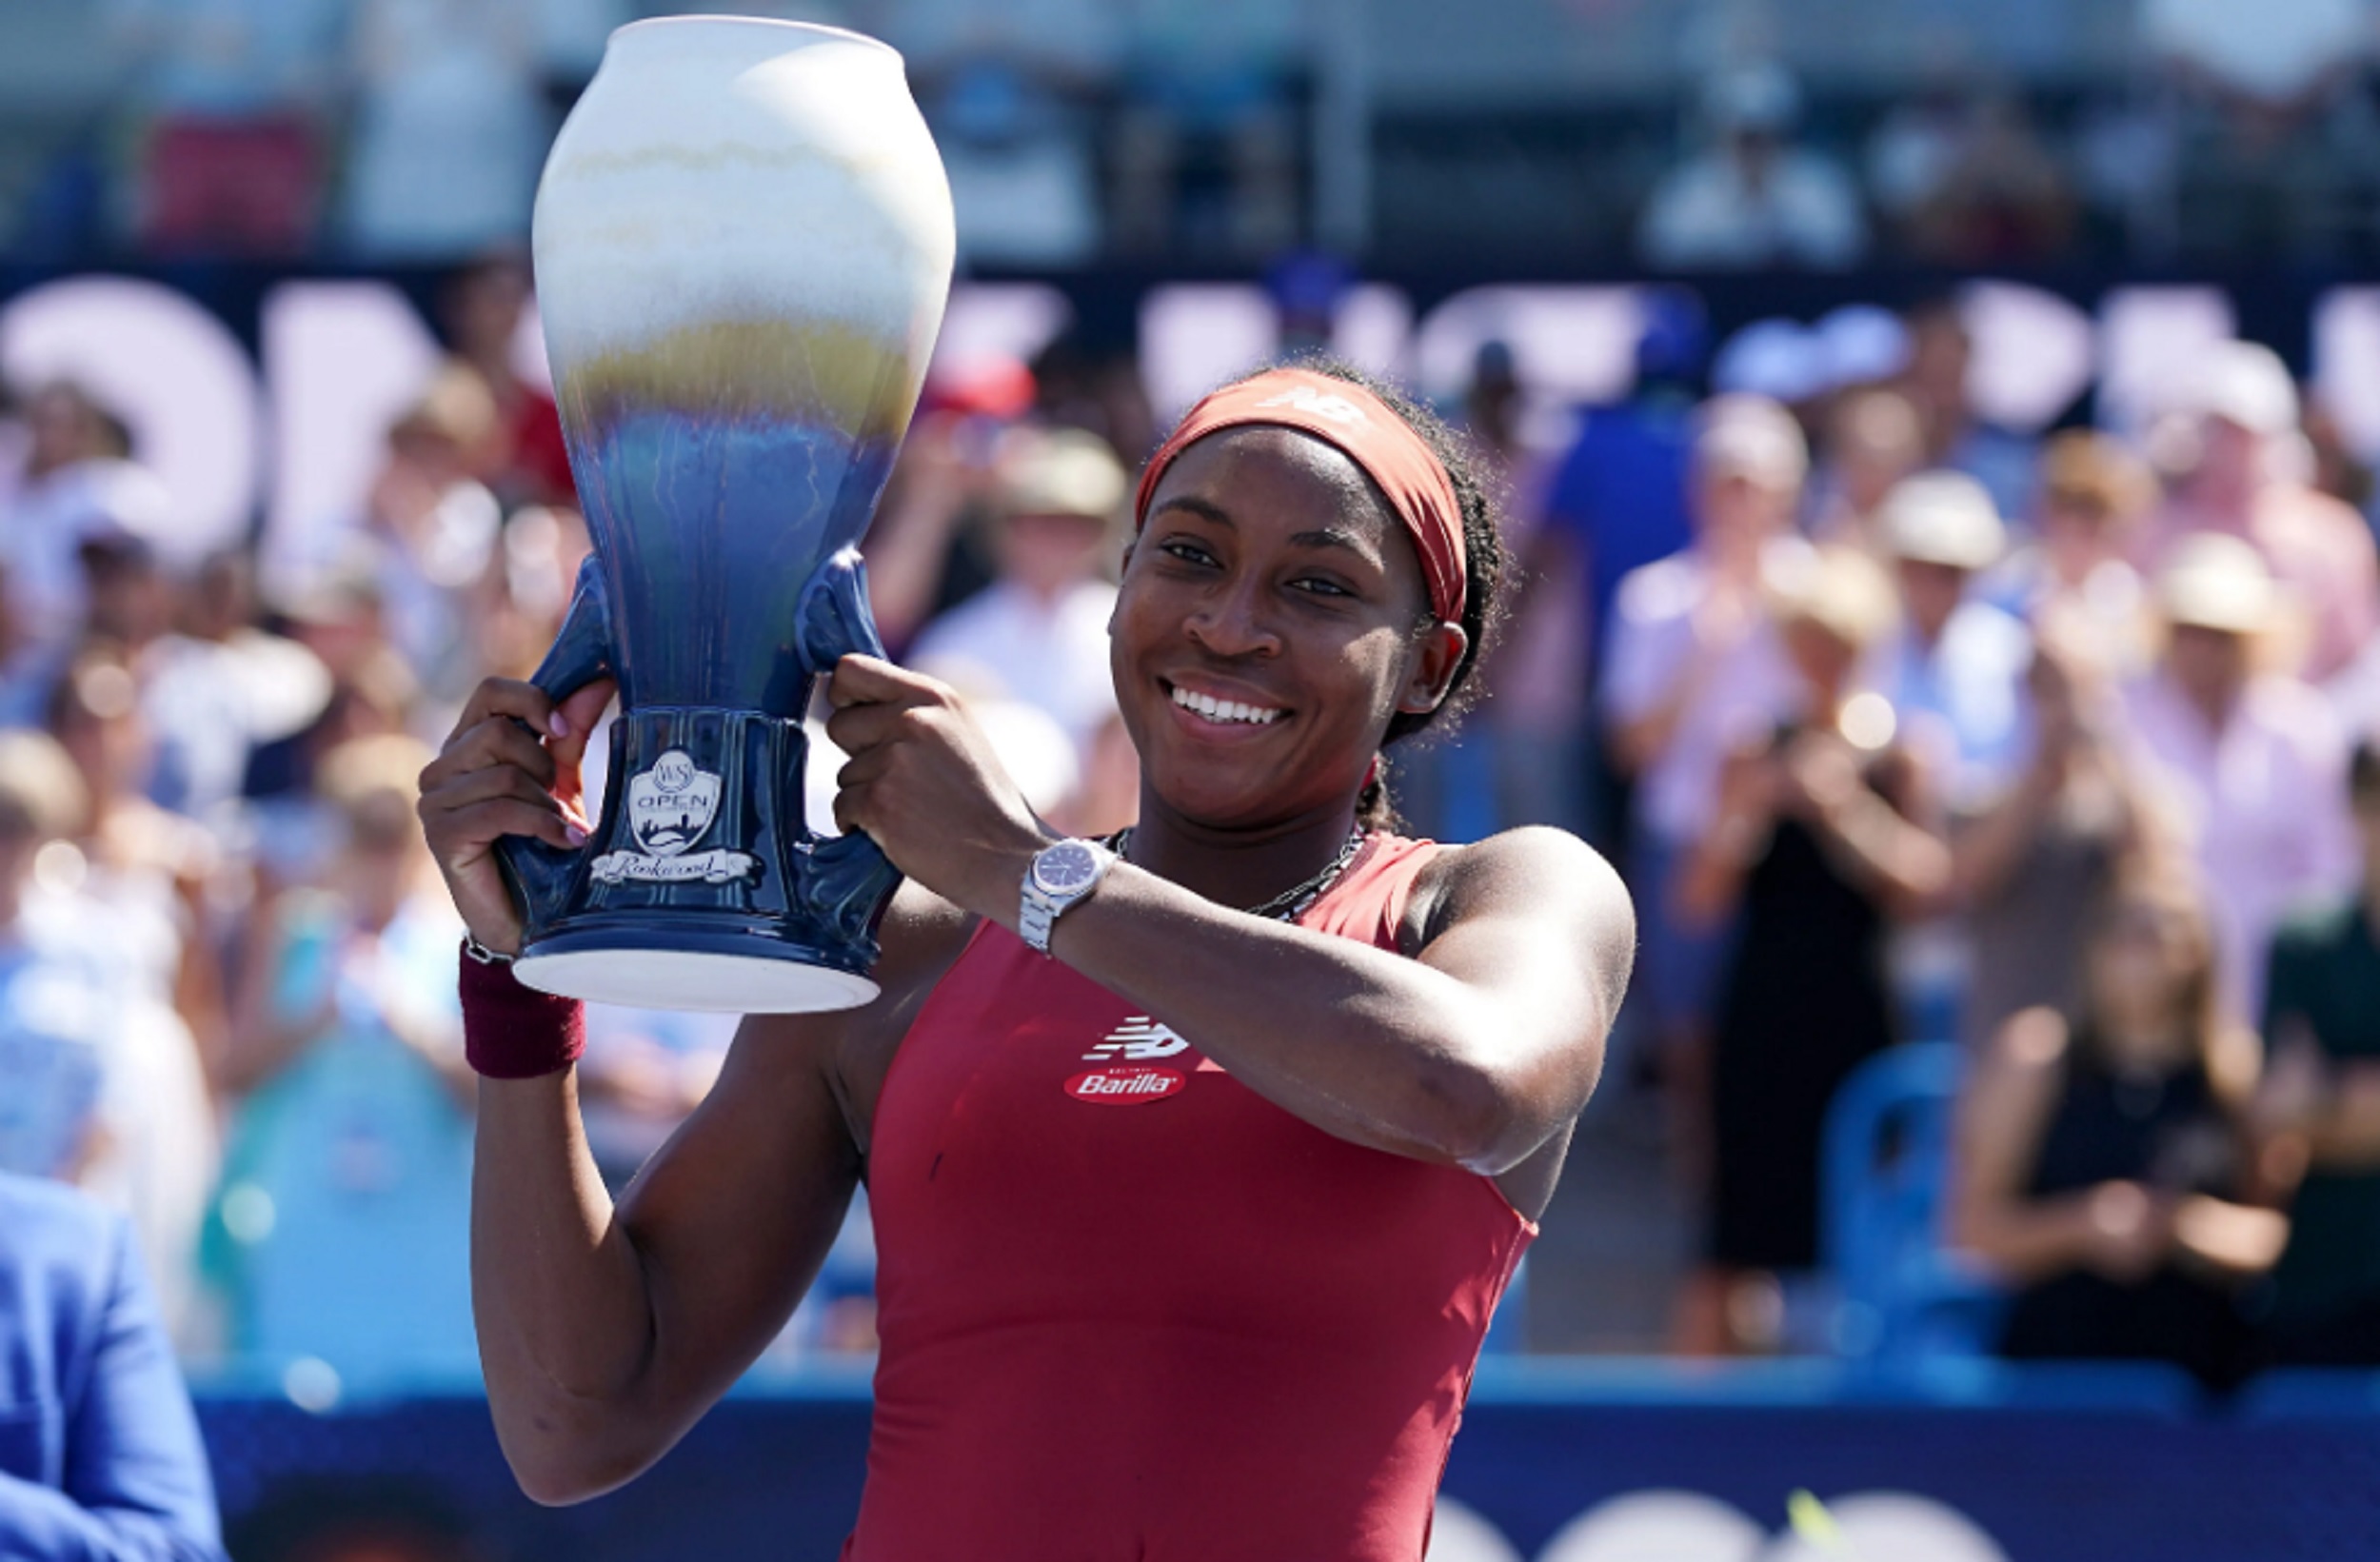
<point x="1125" y="1085"/>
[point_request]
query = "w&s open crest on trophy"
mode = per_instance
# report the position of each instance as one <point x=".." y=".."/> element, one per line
<point x="671" y="809"/>
<point x="743" y="246"/>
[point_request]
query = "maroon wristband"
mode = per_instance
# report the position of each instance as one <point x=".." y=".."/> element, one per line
<point x="515" y="1032"/>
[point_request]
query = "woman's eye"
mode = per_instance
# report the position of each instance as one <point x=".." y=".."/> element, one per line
<point x="1190" y="553"/>
<point x="1320" y="588"/>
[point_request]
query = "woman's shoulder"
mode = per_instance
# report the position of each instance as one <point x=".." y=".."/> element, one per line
<point x="2021" y="1073"/>
<point x="1533" y="870"/>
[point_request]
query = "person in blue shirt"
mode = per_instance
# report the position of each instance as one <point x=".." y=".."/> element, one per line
<point x="1619" y="498"/>
<point x="1617" y="501"/>
<point x="100" y="1457"/>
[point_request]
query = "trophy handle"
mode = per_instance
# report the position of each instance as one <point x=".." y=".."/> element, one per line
<point x="538" y="871"/>
<point x="850" y="881"/>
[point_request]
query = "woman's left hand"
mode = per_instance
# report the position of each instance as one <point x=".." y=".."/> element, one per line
<point x="924" y="784"/>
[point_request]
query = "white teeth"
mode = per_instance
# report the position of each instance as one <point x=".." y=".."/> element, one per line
<point x="1224" y="710"/>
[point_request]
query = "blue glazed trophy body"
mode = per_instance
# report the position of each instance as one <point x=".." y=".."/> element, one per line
<point x="743" y="246"/>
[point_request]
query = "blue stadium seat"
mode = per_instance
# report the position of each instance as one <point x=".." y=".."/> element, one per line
<point x="1905" y="1299"/>
<point x="1508" y="1331"/>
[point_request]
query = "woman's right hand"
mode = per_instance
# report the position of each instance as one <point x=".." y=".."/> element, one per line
<point x="497" y="776"/>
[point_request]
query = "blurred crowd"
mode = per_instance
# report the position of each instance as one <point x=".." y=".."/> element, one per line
<point x="2057" y="751"/>
<point x="1904" y="728"/>
<point x="399" y="132"/>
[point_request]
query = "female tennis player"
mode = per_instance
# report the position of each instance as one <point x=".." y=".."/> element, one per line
<point x="1198" y="1157"/>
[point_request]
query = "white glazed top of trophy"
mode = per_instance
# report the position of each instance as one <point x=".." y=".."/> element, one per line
<point x="728" y="172"/>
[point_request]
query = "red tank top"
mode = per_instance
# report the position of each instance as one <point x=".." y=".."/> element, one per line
<point x="1131" y="1310"/>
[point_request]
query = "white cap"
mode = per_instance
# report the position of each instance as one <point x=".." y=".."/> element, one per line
<point x="1061" y="471"/>
<point x="2214" y="582"/>
<point x="1750" y="437"/>
<point x="1943" y="518"/>
<point x="2244" y="383"/>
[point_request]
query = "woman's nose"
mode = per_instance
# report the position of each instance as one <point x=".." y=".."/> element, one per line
<point x="1232" y="621"/>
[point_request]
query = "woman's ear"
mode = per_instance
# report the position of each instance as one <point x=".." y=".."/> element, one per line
<point x="1437" y="655"/>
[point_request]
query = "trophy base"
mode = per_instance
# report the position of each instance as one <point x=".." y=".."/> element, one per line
<point x="698" y="980"/>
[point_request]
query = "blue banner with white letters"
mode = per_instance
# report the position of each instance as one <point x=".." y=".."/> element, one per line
<point x="1554" y="1464"/>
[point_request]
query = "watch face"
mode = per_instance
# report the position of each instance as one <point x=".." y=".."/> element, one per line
<point x="1065" y="868"/>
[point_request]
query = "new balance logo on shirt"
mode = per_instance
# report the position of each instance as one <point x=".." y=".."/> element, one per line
<point x="1137" y="1039"/>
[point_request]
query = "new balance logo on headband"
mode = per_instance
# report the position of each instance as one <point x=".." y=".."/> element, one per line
<point x="1138" y="1038"/>
<point x="1319" y="403"/>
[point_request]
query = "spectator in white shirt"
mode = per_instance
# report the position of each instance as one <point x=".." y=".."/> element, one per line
<point x="1954" y="665"/>
<point x="1037" y="634"/>
<point x="2076" y="577"/>
<point x="99" y="1082"/>
<point x="2252" y="766"/>
<point x="1692" y="671"/>
<point x="2248" y="482"/>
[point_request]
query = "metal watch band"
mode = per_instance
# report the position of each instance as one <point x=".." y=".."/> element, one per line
<point x="1038" y="908"/>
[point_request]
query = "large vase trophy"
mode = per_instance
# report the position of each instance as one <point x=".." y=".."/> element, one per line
<point x="742" y="245"/>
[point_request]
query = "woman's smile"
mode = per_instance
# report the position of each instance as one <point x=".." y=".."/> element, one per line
<point x="1206" y="703"/>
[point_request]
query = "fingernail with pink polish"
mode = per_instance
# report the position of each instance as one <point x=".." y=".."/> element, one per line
<point x="558" y="724"/>
<point x="578" y="836"/>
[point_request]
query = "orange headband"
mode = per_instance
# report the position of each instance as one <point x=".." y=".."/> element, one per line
<point x="1345" y="415"/>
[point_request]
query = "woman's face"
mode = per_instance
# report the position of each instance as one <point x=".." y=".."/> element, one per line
<point x="1266" y="630"/>
<point x="2139" y="963"/>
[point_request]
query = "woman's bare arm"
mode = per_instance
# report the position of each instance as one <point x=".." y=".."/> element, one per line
<point x="605" y="1332"/>
<point x="1476" y="1054"/>
<point x="1883" y="835"/>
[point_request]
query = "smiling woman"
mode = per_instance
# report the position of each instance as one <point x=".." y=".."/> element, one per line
<point x="1237" y="1321"/>
<point x="1374" y="494"/>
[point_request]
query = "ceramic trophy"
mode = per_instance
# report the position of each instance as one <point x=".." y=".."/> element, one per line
<point x="743" y="246"/>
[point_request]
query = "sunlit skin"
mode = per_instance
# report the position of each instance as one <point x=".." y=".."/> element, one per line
<point x="1258" y="581"/>
<point x="1048" y="555"/>
<point x="1734" y="514"/>
<point x="2137" y="967"/>
<point x="2077" y="539"/>
<point x="1271" y="575"/>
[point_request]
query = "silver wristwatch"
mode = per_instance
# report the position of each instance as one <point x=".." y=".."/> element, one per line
<point x="1061" y="876"/>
